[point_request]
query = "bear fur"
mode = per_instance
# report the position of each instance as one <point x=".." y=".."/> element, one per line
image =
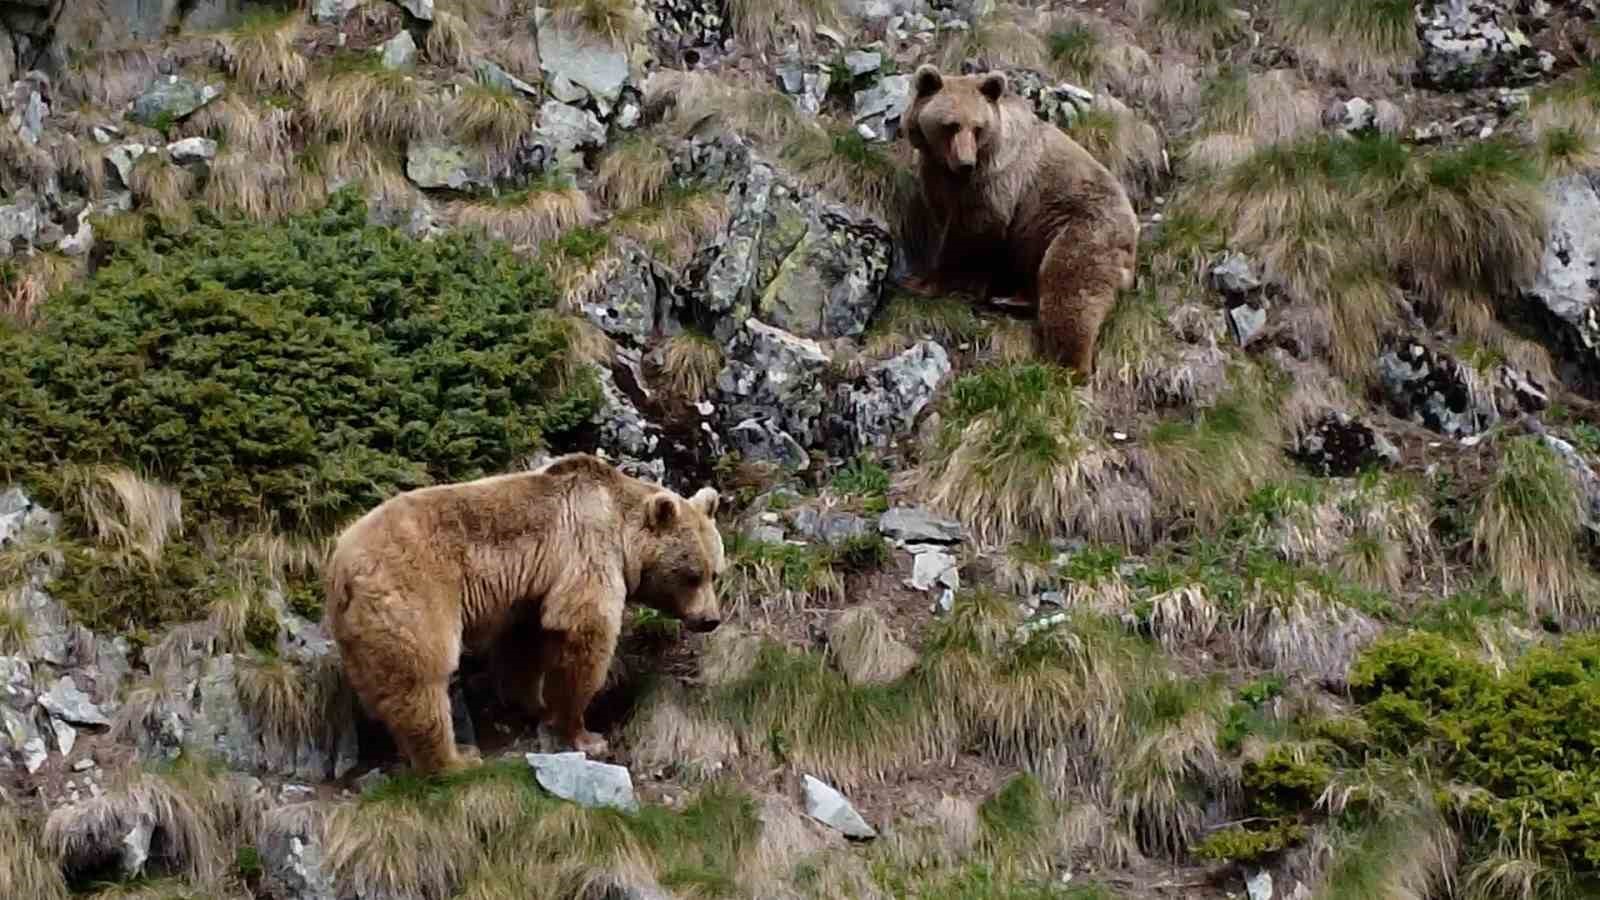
<point x="531" y="568"/>
<point x="1018" y="209"/>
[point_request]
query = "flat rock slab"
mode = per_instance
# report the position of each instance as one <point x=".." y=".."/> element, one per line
<point x="573" y="776"/>
<point x="66" y="702"/>
<point x="829" y="807"/>
<point x="915" y="525"/>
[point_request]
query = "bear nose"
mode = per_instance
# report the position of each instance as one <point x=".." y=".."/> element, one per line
<point x="965" y="167"/>
<point x="701" y="626"/>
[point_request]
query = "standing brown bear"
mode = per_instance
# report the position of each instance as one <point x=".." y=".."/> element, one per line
<point x="532" y="568"/>
<point x="1020" y="210"/>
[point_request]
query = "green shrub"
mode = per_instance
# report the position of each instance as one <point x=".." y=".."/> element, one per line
<point x="1525" y="739"/>
<point x="294" y="373"/>
<point x="1279" y="784"/>
<point x="1245" y="845"/>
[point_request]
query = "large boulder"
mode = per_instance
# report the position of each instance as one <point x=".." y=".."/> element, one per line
<point x="772" y="394"/>
<point x="1430" y="387"/>
<point x="579" y="66"/>
<point x="1470" y="43"/>
<point x="171" y="99"/>
<point x="1567" y="287"/>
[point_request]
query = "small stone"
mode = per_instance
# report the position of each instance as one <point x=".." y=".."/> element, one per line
<point x="830" y="807"/>
<point x="66" y="736"/>
<point x="192" y="150"/>
<point x="1235" y="275"/>
<point x="83" y="765"/>
<point x="400" y="51"/>
<point x="494" y="76"/>
<point x="34" y="754"/>
<point x="65" y="701"/>
<point x="1260" y="886"/>
<point x="915" y="525"/>
<point x="931" y="568"/>
<point x="136" y="848"/>
<point x="1246" y="322"/>
<point x="572" y="776"/>
<point x="862" y="62"/>
<point x="422" y="9"/>
<point x="373" y="778"/>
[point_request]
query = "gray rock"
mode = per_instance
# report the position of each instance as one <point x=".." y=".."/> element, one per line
<point x="1567" y="287"/>
<point x="1059" y="103"/>
<point x="830" y="807"/>
<point x="121" y="159"/>
<point x="494" y="76"/>
<point x="1351" y="116"/>
<point x="332" y="11"/>
<point x="171" y="99"/>
<point x="933" y="568"/>
<point x="807" y="83"/>
<point x="16" y="683"/>
<point x="435" y="164"/>
<point x="192" y="150"/>
<point x="730" y="276"/>
<point x="294" y="863"/>
<point x="66" y="702"/>
<point x="19" y="222"/>
<point x="762" y="440"/>
<point x="1259" y="886"/>
<point x="136" y="847"/>
<point x="1587" y="480"/>
<point x="1235" y="275"/>
<point x="884" y="404"/>
<point x="830" y="283"/>
<point x="571" y="776"/>
<point x="564" y="131"/>
<point x="66" y="736"/>
<point x="422" y="9"/>
<point x="1246" y="322"/>
<point x="581" y="61"/>
<point x="1471" y="43"/>
<point x="1432" y="389"/>
<point x="29" y="106"/>
<point x="828" y="526"/>
<point x="19" y="734"/>
<point x="400" y="51"/>
<point x="915" y="525"/>
<point x="766" y="534"/>
<point x="774" y="376"/>
<point x="690" y="23"/>
<point x="625" y="305"/>
<point x="623" y="431"/>
<point x="880" y="107"/>
<point x="872" y="10"/>
<point x="863" y="62"/>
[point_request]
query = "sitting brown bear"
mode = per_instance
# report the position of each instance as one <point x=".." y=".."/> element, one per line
<point x="1019" y="209"/>
<point x="532" y="568"/>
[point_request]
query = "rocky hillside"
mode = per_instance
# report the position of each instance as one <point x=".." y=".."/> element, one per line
<point x="1291" y="599"/>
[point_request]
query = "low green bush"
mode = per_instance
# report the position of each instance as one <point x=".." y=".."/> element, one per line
<point x="293" y="374"/>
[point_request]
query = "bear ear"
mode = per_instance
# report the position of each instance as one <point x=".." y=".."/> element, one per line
<point x="661" y="511"/>
<point x="706" y="500"/>
<point x="993" y="86"/>
<point x="928" y="80"/>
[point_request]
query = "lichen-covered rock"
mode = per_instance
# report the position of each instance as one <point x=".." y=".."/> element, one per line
<point x="20" y="221"/>
<point x="1432" y="389"/>
<point x="1567" y="287"/>
<point x="690" y="23"/>
<point x="828" y="526"/>
<point x="1057" y="102"/>
<point x="332" y="11"/>
<point x="171" y="99"/>
<point x="884" y="404"/>
<point x="120" y="160"/>
<point x="1235" y="276"/>
<point x="492" y="75"/>
<point x="774" y="378"/>
<point x="1470" y="43"/>
<point x="438" y="164"/>
<point x="829" y="282"/>
<point x="1584" y="476"/>
<point x="293" y="861"/>
<point x="585" y="782"/>
<point x="563" y="133"/>
<point x="628" y="303"/>
<point x="624" y="433"/>
<point x="916" y="525"/>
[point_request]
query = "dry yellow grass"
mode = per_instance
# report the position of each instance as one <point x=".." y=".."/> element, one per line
<point x="689" y="102"/>
<point x="25" y="868"/>
<point x="676" y="225"/>
<point x="689" y="365"/>
<point x="127" y="512"/>
<point x="617" y="22"/>
<point x="633" y="172"/>
<point x="1123" y="142"/>
<point x="866" y="650"/>
<point x="262" y="57"/>
<point x="490" y="118"/>
<point x="371" y="108"/>
<point x="451" y="42"/>
<point x="163" y="188"/>
<point x="25" y="285"/>
<point x="761" y="23"/>
<point x="242" y="124"/>
<point x="669" y="734"/>
<point x="529" y="218"/>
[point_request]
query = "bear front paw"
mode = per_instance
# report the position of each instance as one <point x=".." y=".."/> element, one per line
<point x="590" y="743"/>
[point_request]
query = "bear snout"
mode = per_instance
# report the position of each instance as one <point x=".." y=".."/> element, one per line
<point x="703" y="625"/>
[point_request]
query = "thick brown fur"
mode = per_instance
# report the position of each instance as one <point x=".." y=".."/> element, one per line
<point x="1019" y="209"/>
<point x="533" y="569"/>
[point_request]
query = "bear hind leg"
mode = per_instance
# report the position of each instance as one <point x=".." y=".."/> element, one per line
<point x="420" y="721"/>
<point x="1078" y="284"/>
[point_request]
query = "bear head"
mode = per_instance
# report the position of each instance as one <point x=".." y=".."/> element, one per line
<point x="955" y="119"/>
<point x="681" y="557"/>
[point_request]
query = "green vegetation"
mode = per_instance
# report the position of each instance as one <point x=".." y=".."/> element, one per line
<point x="292" y="374"/>
<point x="1245" y="845"/>
<point x="1356" y="38"/>
<point x="865" y="479"/>
<point x="1076" y="50"/>
<point x="1528" y="529"/>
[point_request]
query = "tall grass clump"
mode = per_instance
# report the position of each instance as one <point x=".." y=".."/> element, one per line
<point x="1357" y="39"/>
<point x="615" y="21"/>
<point x="359" y="384"/>
<point x="1528" y="527"/>
<point x="492" y="118"/>
<point x="1201" y="25"/>
<point x="1015" y="456"/>
<point x="761" y="23"/>
<point x="371" y="106"/>
<point x="261" y="54"/>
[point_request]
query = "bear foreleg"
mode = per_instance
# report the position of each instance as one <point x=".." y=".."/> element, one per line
<point x="575" y="664"/>
<point x="1078" y="284"/>
<point x="419" y="719"/>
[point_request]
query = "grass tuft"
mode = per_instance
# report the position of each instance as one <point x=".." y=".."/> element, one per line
<point x="1527" y="528"/>
<point x="450" y="42"/>
<point x="371" y="107"/>
<point x="163" y="188"/>
<point x="491" y="118"/>
<point x="618" y="22"/>
<point x="26" y="869"/>
<point x="866" y="650"/>
<point x="633" y="173"/>
<point x="529" y="217"/>
<point x="690" y="363"/>
<point x="762" y="23"/>
<point x="1357" y="39"/>
<point x="129" y="513"/>
<point x="262" y="57"/>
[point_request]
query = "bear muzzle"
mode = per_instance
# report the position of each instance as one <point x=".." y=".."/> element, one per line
<point x="702" y="625"/>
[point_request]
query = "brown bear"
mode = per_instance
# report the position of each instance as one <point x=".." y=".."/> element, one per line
<point x="532" y="568"/>
<point x="1018" y="209"/>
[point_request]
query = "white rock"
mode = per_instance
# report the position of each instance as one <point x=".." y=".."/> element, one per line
<point x="191" y="150"/>
<point x="1260" y="886"/>
<point x="572" y="776"/>
<point x="64" y="700"/>
<point x="399" y="51"/>
<point x="830" y="807"/>
<point x="66" y="736"/>
<point x="932" y="567"/>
